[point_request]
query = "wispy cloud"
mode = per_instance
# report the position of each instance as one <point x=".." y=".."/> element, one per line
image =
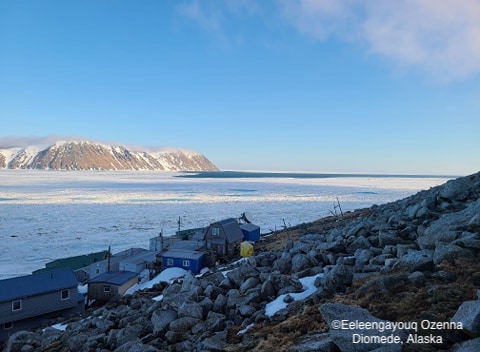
<point x="438" y="37"/>
<point x="13" y="141"/>
<point x="213" y="16"/>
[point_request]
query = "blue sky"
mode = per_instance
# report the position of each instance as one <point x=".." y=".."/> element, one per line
<point x="286" y="85"/>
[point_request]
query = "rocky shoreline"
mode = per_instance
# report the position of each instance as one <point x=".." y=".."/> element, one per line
<point x="403" y="276"/>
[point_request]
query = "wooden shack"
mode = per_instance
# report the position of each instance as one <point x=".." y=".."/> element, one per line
<point x="224" y="237"/>
<point x="111" y="284"/>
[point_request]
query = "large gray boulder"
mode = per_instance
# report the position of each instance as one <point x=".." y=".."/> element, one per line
<point x="283" y="264"/>
<point x="192" y="309"/>
<point x="413" y="260"/>
<point x="301" y="262"/>
<point x="268" y="291"/>
<point x="468" y="346"/>
<point x="183" y="324"/>
<point x="449" y="252"/>
<point x="469" y="315"/>
<point x="448" y="227"/>
<point x="248" y="284"/>
<point x="161" y="319"/>
<point x="458" y="189"/>
<point x="238" y="275"/>
<point x="339" y="316"/>
<point x="337" y="279"/>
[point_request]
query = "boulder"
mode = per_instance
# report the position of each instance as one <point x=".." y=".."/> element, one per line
<point x="416" y="277"/>
<point x="301" y="262"/>
<point x="449" y="252"/>
<point x="248" y="284"/>
<point x="468" y="346"/>
<point x="220" y="304"/>
<point x="458" y="189"/>
<point x="268" y="291"/>
<point x="116" y="337"/>
<point x="215" y="322"/>
<point x="337" y="279"/>
<point x="206" y="305"/>
<point x="469" y="315"/>
<point x="388" y="238"/>
<point x="448" y="227"/>
<point x="417" y="261"/>
<point x="246" y="310"/>
<point x="192" y="309"/>
<point x="216" y="343"/>
<point x="20" y="339"/>
<point x="283" y="264"/>
<point x="336" y="246"/>
<point x="358" y="243"/>
<point x="161" y="319"/>
<point x="212" y="291"/>
<point x="183" y="324"/>
<point x="238" y="275"/>
<point x="362" y="257"/>
<point x="233" y="298"/>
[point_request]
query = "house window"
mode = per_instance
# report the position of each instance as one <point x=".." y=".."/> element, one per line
<point x="106" y="289"/>
<point x="186" y="263"/>
<point x="16" y="305"/>
<point x="7" y="326"/>
<point x="97" y="271"/>
<point x="65" y="294"/>
<point x="216" y="231"/>
<point x="169" y="261"/>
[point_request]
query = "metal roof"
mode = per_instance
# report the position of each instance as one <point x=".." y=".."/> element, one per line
<point x="36" y="284"/>
<point x="183" y="254"/>
<point x="231" y="228"/>
<point x="75" y="263"/>
<point x="114" y="277"/>
<point x="249" y="227"/>
<point x="130" y="254"/>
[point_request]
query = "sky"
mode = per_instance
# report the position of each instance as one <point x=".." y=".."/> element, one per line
<point x="350" y="86"/>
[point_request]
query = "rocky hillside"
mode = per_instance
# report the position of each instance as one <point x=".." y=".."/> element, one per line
<point x="85" y="155"/>
<point x="404" y="276"/>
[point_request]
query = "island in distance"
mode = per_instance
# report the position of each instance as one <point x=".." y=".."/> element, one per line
<point x="89" y="155"/>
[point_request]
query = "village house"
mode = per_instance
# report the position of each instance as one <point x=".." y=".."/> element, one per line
<point x="110" y="284"/>
<point x="133" y="259"/>
<point x="183" y="258"/>
<point x="77" y="263"/>
<point x="26" y="302"/>
<point x="224" y="237"/>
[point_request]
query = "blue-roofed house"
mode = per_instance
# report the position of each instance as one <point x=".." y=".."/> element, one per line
<point x="27" y="301"/>
<point x="111" y="284"/>
<point x="183" y="258"/>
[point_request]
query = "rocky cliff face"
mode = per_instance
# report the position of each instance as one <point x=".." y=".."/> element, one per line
<point x="413" y="261"/>
<point x="83" y="155"/>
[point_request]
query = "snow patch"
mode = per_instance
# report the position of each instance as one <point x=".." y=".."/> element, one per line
<point x="166" y="275"/>
<point x="279" y="303"/>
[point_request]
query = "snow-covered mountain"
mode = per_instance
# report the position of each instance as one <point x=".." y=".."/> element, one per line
<point x="88" y="155"/>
